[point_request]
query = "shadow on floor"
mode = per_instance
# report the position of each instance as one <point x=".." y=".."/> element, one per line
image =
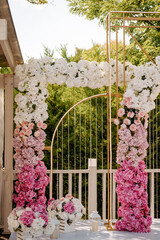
<point x="3" y="236"/>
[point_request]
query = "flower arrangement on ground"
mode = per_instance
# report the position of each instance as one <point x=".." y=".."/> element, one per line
<point x="131" y="177"/>
<point x="31" y="222"/>
<point x="67" y="208"/>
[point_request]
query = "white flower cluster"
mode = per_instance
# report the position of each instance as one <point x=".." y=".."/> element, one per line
<point x="38" y="226"/>
<point x="144" y="87"/>
<point x="37" y="73"/>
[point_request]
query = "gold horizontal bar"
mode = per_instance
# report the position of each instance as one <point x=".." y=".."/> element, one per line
<point x="47" y="148"/>
<point x="135" y="12"/>
<point x="138" y="18"/>
<point x="135" y="26"/>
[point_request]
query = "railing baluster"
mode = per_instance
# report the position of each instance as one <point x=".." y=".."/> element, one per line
<point x="70" y="183"/>
<point x="80" y="187"/>
<point x="114" y="198"/>
<point x="104" y="195"/>
<point x="60" y="185"/>
<point x="152" y="194"/>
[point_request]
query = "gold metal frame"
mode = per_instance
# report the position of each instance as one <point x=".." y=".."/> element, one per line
<point x="114" y="15"/>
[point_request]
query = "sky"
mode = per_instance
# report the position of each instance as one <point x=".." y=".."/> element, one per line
<point x="52" y="25"/>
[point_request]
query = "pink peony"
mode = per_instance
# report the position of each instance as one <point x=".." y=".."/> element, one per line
<point x="69" y="207"/>
<point x="116" y="121"/>
<point x="127" y="121"/>
<point x="133" y="127"/>
<point x="121" y="112"/>
<point x="130" y="114"/>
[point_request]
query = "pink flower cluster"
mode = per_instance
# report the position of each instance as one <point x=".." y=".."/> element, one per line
<point x="132" y="134"/>
<point x="69" y="207"/>
<point x="31" y="172"/>
<point x="28" y="148"/>
<point x="27" y="218"/>
<point x="131" y="177"/>
<point x="131" y="190"/>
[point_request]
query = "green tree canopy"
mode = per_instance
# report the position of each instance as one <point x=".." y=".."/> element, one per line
<point x="38" y="1"/>
<point x="99" y="8"/>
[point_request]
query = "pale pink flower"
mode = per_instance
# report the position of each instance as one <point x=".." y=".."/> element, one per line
<point x="130" y="114"/>
<point x="123" y="126"/>
<point x="127" y="121"/>
<point x="137" y="122"/>
<point x="30" y="125"/>
<point x="146" y="124"/>
<point x="40" y="124"/>
<point x="22" y="134"/>
<point x="121" y="112"/>
<point x="28" y="132"/>
<point x="133" y="127"/>
<point x="24" y="123"/>
<point x="116" y="121"/>
<point x="37" y="134"/>
<point x="16" y="131"/>
<point x="141" y="114"/>
<point x="69" y="196"/>
<point x="44" y="126"/>
<point x="24" y="129"/>
<point x="146" y="116"/>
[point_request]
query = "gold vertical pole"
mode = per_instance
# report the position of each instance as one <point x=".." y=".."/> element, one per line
<point x="107" y="39"/>
<point x="117" y="99"/>
<point x="108" y="224"/>
<point x="124" y="51"/>
<point x="108" y="139"/>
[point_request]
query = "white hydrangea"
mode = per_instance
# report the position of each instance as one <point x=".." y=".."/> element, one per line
<point x="37" y="73"/>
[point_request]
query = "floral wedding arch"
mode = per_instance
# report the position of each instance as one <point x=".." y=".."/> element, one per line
<point x="143" y="87"/>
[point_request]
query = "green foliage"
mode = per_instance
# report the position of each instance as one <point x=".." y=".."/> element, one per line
<point x="99" y="8"/>
<point x="5" y="70"/>
<point x="148" y="38"/>
<point x="38" y="2"/>
<point x="48" y="52"/>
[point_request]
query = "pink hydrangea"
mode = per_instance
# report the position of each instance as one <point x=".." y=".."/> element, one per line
<point x="31" y="171"/>
<point x="27" y="218"/>
<point x="69" y="207"/>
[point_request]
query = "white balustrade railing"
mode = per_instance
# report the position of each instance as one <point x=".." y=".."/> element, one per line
<point x="92" y="172"/>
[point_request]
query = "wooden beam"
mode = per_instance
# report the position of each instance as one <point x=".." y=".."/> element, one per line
<point x="8" y="173"/>
<point x="5" y="44"/>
